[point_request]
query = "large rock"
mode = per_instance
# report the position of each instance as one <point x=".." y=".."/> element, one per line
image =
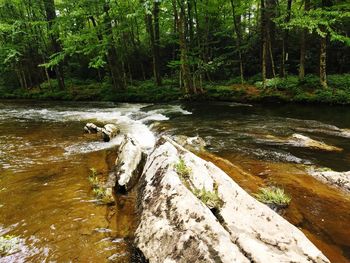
<point x="129" y="163"/>
<point x="337" y="179"/>
<point x="176" y="226"/>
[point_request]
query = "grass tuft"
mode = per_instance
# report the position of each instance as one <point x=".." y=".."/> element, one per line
<point x="182" y="169"/>
<point x="273" y="196"/>
<point x="210" y="199"/>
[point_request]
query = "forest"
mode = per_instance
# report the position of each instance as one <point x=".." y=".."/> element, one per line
<point x="162" y="50"/>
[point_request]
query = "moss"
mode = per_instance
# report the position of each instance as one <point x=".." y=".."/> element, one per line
<point x="273" y="196"/>
<point x="9" y="244"/>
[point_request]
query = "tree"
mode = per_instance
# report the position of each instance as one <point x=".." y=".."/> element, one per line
<point x="54" y="36"/>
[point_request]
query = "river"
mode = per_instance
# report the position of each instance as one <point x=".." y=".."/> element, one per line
<point x="45" y="161"/>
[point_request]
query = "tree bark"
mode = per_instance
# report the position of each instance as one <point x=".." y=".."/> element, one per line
<point x="323" y="56"/>
<point x="263" y="43"/>
<point x="285" y="42"/>
<point x="112" y="57"/>
<point x="236" y="24"/>
<point x="303" y="46"/>
<point x="51" y="17"/>
<point x="156" y="56"/>
<point x="186" y="75"/>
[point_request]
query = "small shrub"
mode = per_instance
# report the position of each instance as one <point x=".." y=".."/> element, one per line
<point x="9" y="244"/>
<point x="273" y="196"/>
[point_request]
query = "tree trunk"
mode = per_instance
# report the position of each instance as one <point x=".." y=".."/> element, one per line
<point x="285" y="42"/>
<point x="51" y="17"/>
<point x="112" y="58"/>
<point x="156" y="55"/>
<point x="187" y="78"/>
<point x="236" y="24"/>
<point x="263" y="43"/>
<point x="323" y="56"/>
<point x="303" y="47"/>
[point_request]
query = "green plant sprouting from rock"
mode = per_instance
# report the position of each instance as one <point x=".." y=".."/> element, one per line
<point x="9" y="244"/>
<point x="98" y="189"/>
<point x="182" y="169"/>
<point x="210" y="198"/>
<point x="273" y="196"/>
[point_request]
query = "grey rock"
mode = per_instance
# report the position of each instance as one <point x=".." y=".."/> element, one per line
<point x="176" y="226"/>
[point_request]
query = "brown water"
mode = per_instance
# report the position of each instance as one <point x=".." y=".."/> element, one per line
<point x="45" y="159"/>
<point x="236" y="135"/>
<point x="45" y="196"/>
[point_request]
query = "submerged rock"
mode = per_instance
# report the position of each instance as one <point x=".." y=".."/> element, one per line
<point x="304" y="141"/>
<point x="129" y="163"/>
<point x="177" y="224"/>
<point x="338" y="179"/>
<point x="298" y="140"/>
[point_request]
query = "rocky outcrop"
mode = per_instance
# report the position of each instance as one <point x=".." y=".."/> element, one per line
<point x="191" y="211"/>
<point x="129" y="163"/>
<point x="108" y="132"/>
<point x="337" y="179"/>
<point x="298" y="140"/>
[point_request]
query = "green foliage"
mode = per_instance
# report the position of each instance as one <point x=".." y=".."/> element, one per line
<point x="98" y="189"/>
<point x="273" y="196"/>
<point x="210" y="199"/>
<point x="182" y="169"/>
<point x="9" y="244"/>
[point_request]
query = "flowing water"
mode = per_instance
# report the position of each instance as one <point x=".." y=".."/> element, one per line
<point x="45" y="159"/>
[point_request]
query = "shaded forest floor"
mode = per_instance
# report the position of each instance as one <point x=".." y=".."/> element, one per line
<point x="277" y="90"/>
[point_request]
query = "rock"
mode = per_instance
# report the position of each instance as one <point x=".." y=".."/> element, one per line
<point x="299" y="140"/>
<point x="109" y="131"/>
<point x="129" y="163"/>
<point x="176" y="226"/>
<point x="338" y="179"/>
<point x="92" y="128"/>
<point x="304" y="141"/>
<point x="345" y="133"/>
<point x="191" y="143"/>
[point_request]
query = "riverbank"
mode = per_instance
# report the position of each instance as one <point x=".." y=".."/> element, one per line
<point x="276" y="91"/>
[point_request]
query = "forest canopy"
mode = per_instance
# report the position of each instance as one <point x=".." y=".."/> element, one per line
<point x="119" y="42"/>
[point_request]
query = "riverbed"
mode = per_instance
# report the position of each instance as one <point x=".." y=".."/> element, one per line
<point x="45" y="161"/>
